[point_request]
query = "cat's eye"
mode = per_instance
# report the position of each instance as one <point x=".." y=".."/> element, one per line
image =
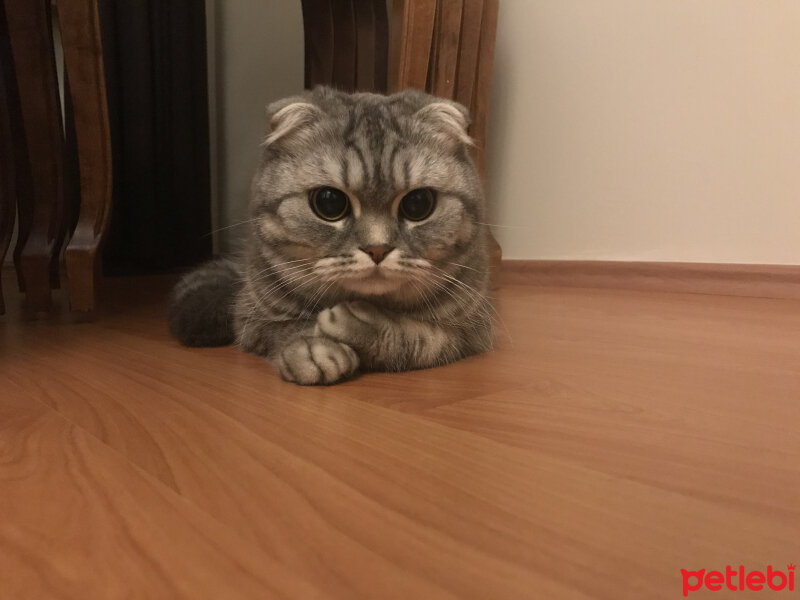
<point x="418" y="205"/>
<point x="329" y="204"/>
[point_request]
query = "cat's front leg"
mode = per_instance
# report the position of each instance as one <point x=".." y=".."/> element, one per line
<point x="298" y="354"/>
<point x="316" y="360"/>
<point x="388" y="341"/>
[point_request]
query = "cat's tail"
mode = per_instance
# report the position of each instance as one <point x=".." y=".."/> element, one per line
<point x="201" y="307"/>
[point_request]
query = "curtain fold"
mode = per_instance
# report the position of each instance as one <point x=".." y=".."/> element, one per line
<point x="155" y="63"/>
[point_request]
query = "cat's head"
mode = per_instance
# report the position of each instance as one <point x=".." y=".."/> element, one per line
<point x="374" y="194"/>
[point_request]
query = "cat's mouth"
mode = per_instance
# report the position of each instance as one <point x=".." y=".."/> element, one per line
<point x="376" y="280"/>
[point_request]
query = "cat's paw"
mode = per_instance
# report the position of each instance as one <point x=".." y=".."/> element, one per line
<point x="316" y="361"/>
<point x="357" y="324"/>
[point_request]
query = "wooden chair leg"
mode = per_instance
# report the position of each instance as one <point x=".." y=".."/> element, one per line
<point x="8" y="202"/>
<point x="32" y="48"/>
<point x="467" y="71"/>
<point x="72" y="184"/>
<point x="318" y="42"/>
<point x="344" y="45"/>
<point x="83" y="59"/>
<point x="13" y="146"/>
<point x="372" y="45"/>
<point x="18" y="166"/>
<point x="381" y="48"/>
<point x="447" y="48"/>
<point x="446" y="44"/>
<point x="410" y="47"/>
<point x="480" y="110"/>
<point x="483" y="80"/>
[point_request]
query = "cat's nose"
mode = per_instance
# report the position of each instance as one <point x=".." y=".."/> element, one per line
<point x="377" y="253"/>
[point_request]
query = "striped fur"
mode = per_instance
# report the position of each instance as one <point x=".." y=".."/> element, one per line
<point x="304" y="295"/>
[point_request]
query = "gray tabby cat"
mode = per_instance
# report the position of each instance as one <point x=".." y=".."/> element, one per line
<point x="367" y="248"/>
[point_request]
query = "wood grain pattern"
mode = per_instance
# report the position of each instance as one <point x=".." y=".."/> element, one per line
<point x="346" y="44"/>
<point x="610" y="439"/>
<point x="479" y="107"/>
<point x="468" y="53"/>
<point x="447" y="42"/>
<point x="447" y="49"/>
<point x="763" y="281"/>
<point x="412" y="24"/>
<point x="483" y="82"/>
<point x="83" y="60"/>
<point x="110" y="530"/>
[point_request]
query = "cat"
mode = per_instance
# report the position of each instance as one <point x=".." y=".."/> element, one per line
<point x="366" y="249"/>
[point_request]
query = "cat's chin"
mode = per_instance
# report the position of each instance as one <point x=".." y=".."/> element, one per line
<point x="372" y="285"/>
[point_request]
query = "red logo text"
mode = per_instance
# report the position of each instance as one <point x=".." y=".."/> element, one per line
<point x="738" y="579"/>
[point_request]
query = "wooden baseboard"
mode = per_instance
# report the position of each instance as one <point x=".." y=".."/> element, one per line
<point x="760" y="281"/>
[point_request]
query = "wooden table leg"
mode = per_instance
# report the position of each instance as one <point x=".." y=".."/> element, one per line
<point x="31" y="38"/>
<point x="83" y="59"/>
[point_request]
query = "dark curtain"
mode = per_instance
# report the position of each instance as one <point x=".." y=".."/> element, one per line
<point x="155" y="61"/>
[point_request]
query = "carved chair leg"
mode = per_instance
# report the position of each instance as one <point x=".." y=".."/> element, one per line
<point x="13" y="156"/>
<point x="30" y="33"/>
<point x="7" y="194"/>
<point x="83" y="58"/>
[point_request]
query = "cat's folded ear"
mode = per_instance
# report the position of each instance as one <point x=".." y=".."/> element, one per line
<point x="290" y="117"/>
<point x="447" y="118"/>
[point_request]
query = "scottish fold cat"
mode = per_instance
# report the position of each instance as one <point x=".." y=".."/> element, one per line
<point x="366" y="244"/>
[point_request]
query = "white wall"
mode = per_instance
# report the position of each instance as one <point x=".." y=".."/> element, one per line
<point x="620" y="130"/>
<point x="647" y="130"/>
<point x="258" y="49"/>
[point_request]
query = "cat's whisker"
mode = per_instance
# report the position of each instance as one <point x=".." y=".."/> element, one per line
<point x="286" y="274"/>
<point x="318" y="296"/>
<point x="469" y="290"/>
<point x="298" y="280"/>
<point x="481" y="271"/>
<point x="280" y="267"/>
<point x="502" y="226"/>
<point x="428" y="301"/>
<point x="279" y="273"/>
<point x="231" y="226"/>
<point x="482" y="303"/>
<point x="460" y="303"/>
<point x="278" y="285"/>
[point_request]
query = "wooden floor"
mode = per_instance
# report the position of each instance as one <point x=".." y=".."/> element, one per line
<point x="610" y="440"/>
